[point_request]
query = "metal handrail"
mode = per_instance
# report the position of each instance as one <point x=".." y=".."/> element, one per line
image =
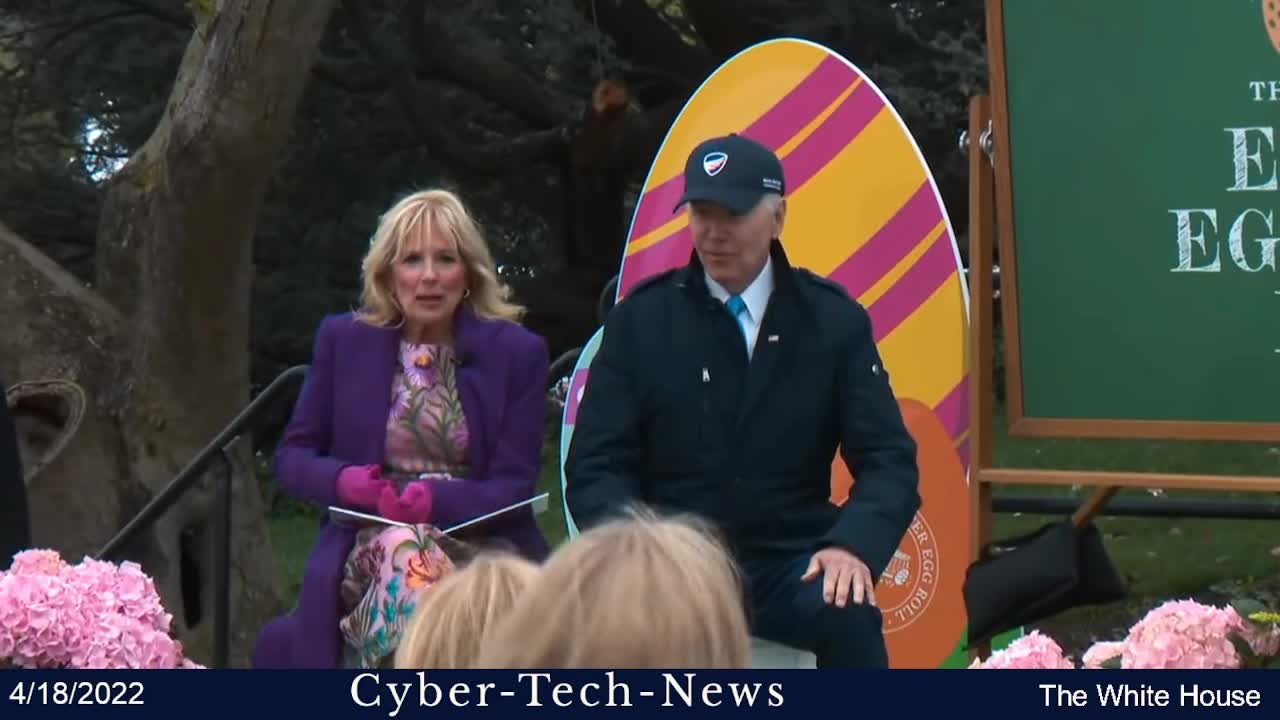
<point x="182" y="483"/>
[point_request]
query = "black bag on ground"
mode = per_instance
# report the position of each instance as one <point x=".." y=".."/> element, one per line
<point x="1031" y="577"/>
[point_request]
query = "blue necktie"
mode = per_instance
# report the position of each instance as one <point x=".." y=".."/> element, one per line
<point x="738" y="308"/>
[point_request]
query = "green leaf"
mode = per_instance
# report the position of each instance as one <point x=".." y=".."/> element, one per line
<point x="1248" y="659"/>
<point x="1246" y="606"/>
<point x="1112" y="663"/>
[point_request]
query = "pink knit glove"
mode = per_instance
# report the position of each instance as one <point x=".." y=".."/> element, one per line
<point x="412" y="506"/>
<point x="360" y="486"/>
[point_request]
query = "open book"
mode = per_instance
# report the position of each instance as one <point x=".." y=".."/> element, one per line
<point x="362" y="519"/>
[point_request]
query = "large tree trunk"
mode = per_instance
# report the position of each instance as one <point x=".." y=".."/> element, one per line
<point x="166" y="362"/>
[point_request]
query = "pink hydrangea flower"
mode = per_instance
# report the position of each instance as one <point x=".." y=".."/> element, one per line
<point x="37" y="562"/>
<point x="94" y="614"/>
<point x="1100" y="653"/>
<point x="1034" y="651"/>
<point x="1184" y="634"/>
<point x="1265" y="642"/>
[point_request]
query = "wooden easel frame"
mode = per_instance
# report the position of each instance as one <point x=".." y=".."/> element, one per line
<point x="1019" y="423"/>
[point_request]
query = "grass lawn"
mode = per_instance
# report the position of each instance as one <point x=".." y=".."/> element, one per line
<point x="1160" y="558"/>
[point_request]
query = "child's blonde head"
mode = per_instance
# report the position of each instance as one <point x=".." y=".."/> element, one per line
<point x="636" y="592"/>
<point x="453" y="616"/>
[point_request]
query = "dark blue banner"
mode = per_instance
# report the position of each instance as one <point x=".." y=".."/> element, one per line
<point x="565" y="694"/>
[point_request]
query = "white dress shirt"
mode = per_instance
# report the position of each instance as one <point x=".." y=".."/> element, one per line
<point x="756" y="297"/>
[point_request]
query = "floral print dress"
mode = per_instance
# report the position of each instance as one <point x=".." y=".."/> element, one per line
<point x="390" y="566"/>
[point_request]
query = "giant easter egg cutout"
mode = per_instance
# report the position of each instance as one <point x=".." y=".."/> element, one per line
<point x="865" y="212"/>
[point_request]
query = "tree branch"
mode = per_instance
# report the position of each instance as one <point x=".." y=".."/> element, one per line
<point x="727" y="28"/>
<point x="490" y="77"/>
<point x="648" y="42"/>
<point x="483" y="74"/>
<point x="644" y="133"/>
<point x="339" y="74"/>
<point x="326" y="69"/>
<point x="158" y="11"/>
<point x="392" y="57"/>
<point x="437" y="137"/>
<point x="495" y="157"/>
<point x="74" y="26"/>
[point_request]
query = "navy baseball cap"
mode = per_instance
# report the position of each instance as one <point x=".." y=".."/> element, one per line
<point x="733" y="171"/>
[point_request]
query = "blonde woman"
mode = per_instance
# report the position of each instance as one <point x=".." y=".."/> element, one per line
<point x="453" y="616"/>
<point x="635" y="592"/>
<point x="427" y="407"/>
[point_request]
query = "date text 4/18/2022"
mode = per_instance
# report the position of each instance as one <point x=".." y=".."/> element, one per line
<point x="85" y="692"/>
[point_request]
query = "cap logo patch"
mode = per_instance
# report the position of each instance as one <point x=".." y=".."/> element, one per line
<point x="713" y="163"/>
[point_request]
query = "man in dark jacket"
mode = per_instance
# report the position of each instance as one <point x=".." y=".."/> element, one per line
<point x="726" y="387"/>
<point x="15" y="525"/>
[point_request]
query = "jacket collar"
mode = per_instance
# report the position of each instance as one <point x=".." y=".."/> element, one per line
<point x="755" y="295"/>
<point x="471" y="333"/>
<point x="784" y="275"/>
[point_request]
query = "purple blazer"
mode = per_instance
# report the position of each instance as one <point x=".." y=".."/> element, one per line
<point x="340" y="419"/>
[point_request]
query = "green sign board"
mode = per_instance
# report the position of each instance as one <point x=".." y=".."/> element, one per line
<point x="1137" y="148"/>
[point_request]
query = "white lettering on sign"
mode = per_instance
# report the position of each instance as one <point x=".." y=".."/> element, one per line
<point x="1192" y="231"/>
<point x="1254" y="158"/>
<point x="1250" y="235"/>
<point x="1251" y="245"/>
<point x="1267" y="245"/>
<point x="1265" y="90"/>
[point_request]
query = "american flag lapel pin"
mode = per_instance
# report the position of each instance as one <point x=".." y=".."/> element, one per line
<point x="772" y="338"/>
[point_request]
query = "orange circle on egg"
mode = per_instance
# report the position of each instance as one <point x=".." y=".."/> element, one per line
<point x="920" y="592"/>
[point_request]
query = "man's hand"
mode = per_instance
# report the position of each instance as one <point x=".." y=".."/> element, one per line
<point x="841" y="570"/>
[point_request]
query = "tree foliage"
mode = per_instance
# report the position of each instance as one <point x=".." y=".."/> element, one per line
<point x="484" y="97"/>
